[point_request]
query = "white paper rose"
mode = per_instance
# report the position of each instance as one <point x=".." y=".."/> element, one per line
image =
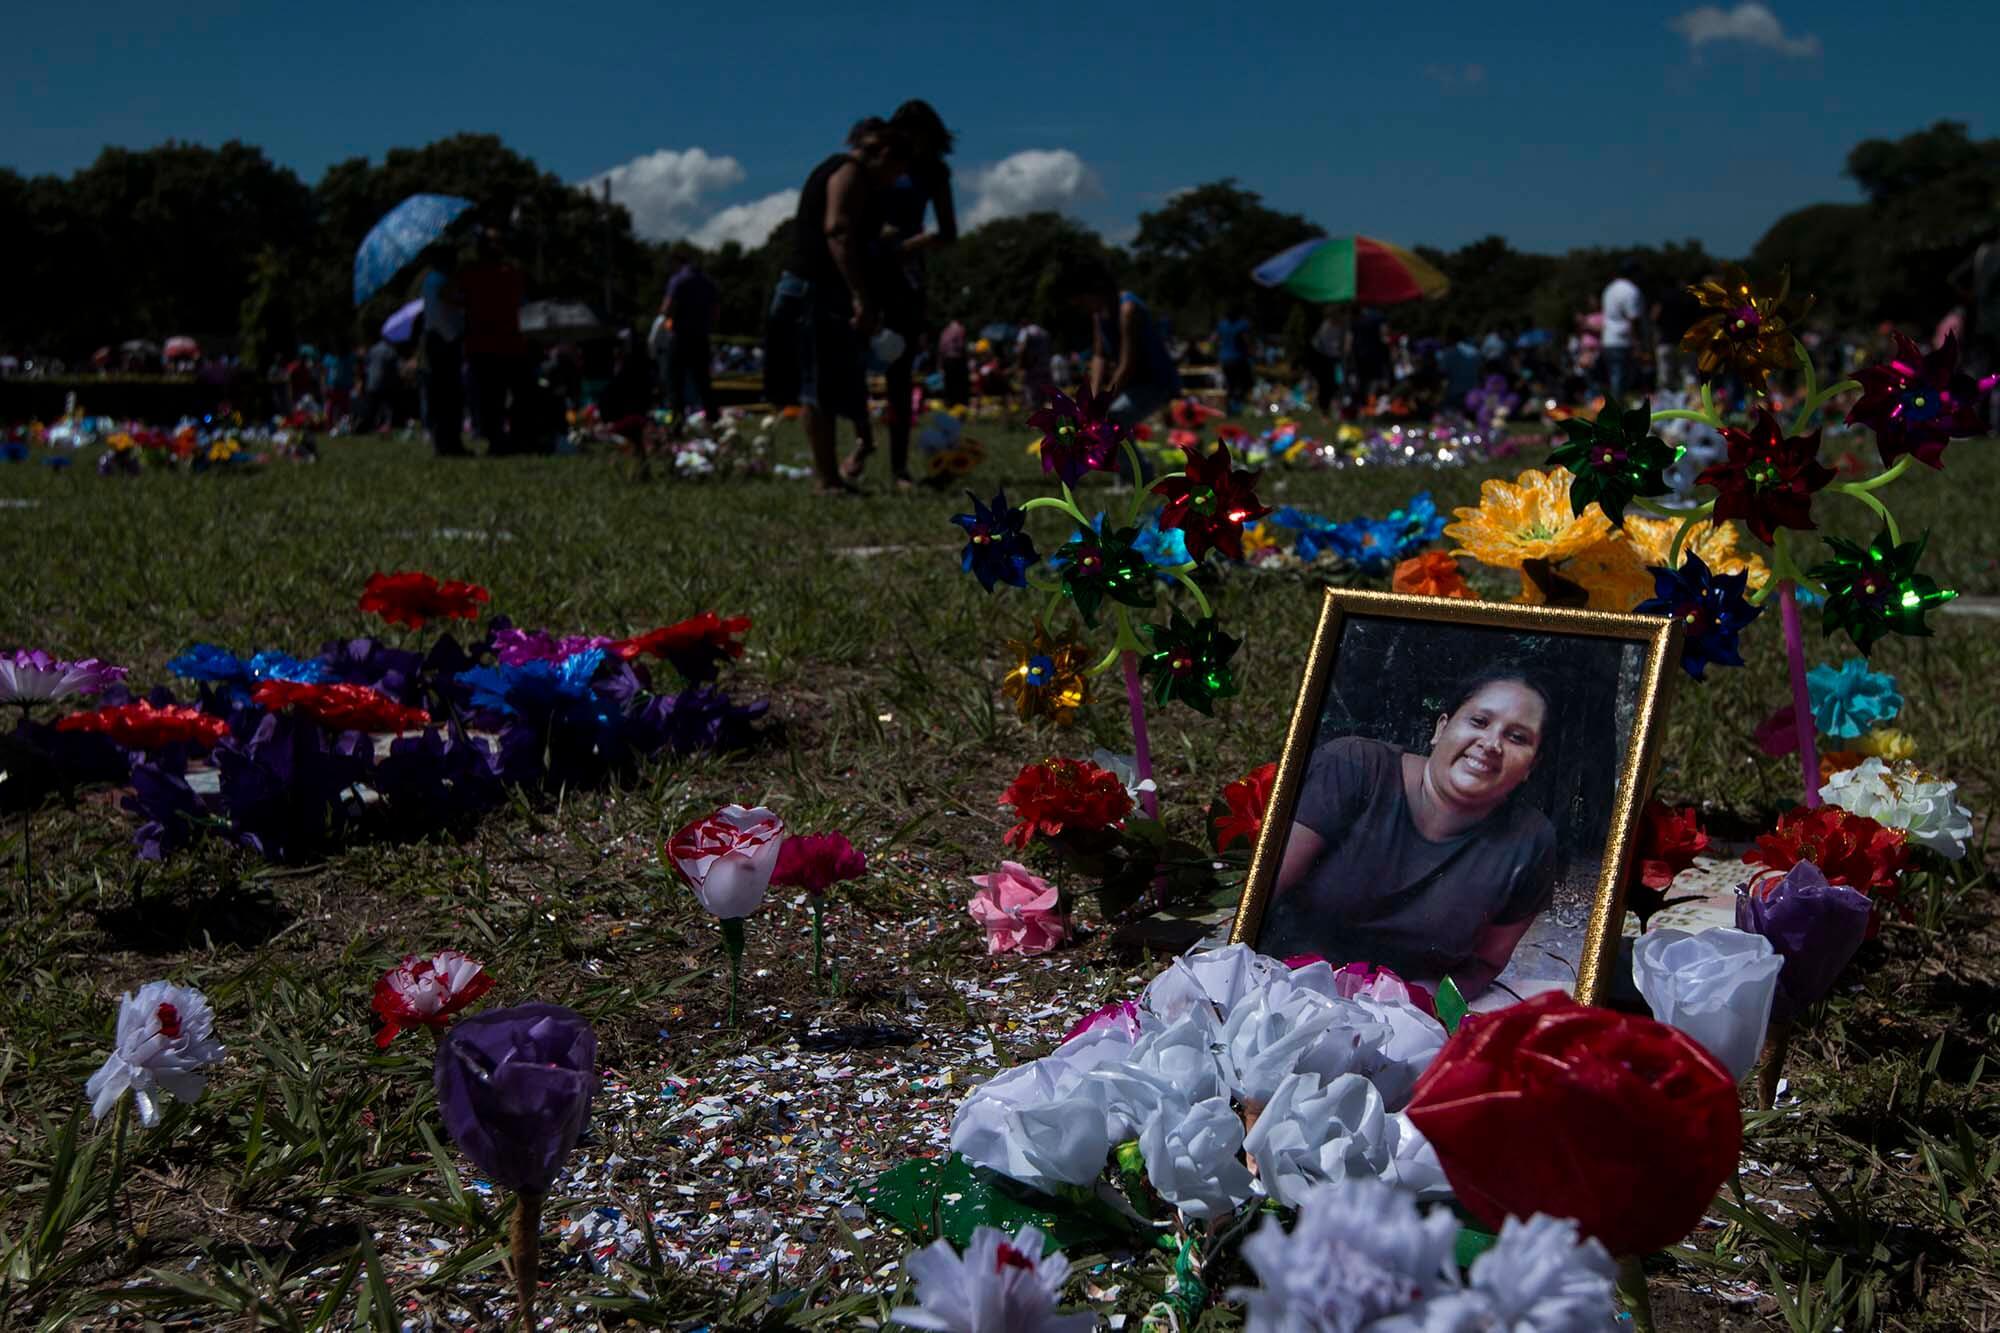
<point x="1280" y="1029"/>
<point x="1414" y="1165"/>
<point x="728" y="858"/>
<point x="1001" y="1284"/>
<point x="1904" y="797"/>
<point x="1308" y="1133"/>
<point x="1716" y="986"/>
<point x="1413" y="1041"/>
<point x="1183" y="1055"/>
<point x="1040" y="1151"/>
<point x="1192" y="1156"/>
<point x="166" y="1034"/>
<point x="1359" y="1252"/>
<point x="1216" y="979"/>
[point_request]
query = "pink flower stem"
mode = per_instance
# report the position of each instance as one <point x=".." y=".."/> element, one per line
<point x="1142" y="745"/>
<point x="1802" y="717"/>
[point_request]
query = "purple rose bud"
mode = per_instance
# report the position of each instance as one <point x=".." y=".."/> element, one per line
<point x="514" y="1087"/>
<point x="1816" y="927"/>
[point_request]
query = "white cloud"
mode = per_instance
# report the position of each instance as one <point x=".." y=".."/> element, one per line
<point x="1748" y="22"/>
<point x="1030" y="181"/>
<point x="663" y="189"/>
<point x="749" y="225"/>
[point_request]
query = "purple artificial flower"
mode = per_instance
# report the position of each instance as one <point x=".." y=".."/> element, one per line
<point x="368" y="661"/>
<point x="172" y="811"/>
<point x="514" y="1088"/>
<point x="1816" y="927"/>
<point x="439" y="779"/>
<point x="516" y="647"/>
<point x="701" y="718"/>
<point x="1077" y="437"/>
<point x="286" y="788"/>
<point x="40" y="761"/>
<point x="35" y="677"/>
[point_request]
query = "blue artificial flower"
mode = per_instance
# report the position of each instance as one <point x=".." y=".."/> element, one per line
<point x="274" y="665"/>
<point x="1164" y="548"/>
<point x="57" y="461"/>
<point x="540" y="689"/>
<point x="1423" y="523"/>
<point x="1315" y="534"/>
<point x="208" y="663"/>
<point x="13" y="451"/>
<point x="1711" y="608"/>
<point x="997" y="547"/>
<point x="1849" y="700"/>
<point x="1373" y="545"/>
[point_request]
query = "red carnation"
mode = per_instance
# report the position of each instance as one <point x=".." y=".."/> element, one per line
<point x="1064" y="795"/>
<point x="411" y="598"/>
<point x="816" y="862"/>
<point x="1246" y="798"/>
<point x="1549" y="1106"/>
<point x="1848" y="848"/>
<point x="697" y="646"/>
<point x="427" y="992"/>
<point x="343" y="707"/>
<point x="142" y="726"/>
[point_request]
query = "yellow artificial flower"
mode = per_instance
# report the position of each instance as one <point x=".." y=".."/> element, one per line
<point x="1715" y="543"/>
<point x="1526" y="519"/>
<point x="119" y="442"/>
<point x="1888" y="744"/>
<point x="1046" y="679"/>
<point x="1614" y="571"/>
<point x="1258" y="538"/>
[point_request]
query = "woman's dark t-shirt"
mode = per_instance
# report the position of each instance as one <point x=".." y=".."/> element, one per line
<point x="1383" y="893"/>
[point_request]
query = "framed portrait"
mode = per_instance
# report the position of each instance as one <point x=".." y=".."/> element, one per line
<point x="1458" y="792"/>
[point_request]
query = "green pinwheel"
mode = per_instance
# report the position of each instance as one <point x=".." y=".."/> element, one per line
<point x="1096" y="564"/>
<point x="1189" y="661"/>
<point x="1616" y="459"/>
<point x="1877" y="590"/>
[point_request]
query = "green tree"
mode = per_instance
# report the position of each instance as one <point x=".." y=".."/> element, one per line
<point x="1193" y="254"/>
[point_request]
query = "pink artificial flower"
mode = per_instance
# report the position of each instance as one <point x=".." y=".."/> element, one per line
<point x="816" y="862"/>
<point x="1018" y="910"/>
<point x="1778" y="734"/>
<point x="728" y="858"/>
<point x="1379" y="983"/>
<point x="1119" y="1013"/>
<point x="426" y="992"/>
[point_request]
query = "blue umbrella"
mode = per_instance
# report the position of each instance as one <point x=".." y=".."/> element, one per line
<point x="401" y="236"/>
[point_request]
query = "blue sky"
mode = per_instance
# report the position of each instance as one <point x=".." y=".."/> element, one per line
<point x="1555" y="125"/>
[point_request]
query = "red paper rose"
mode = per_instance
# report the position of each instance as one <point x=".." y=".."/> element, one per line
<point x="1246" y="798"/>
<point x="816" y="862"/>
<point x="1064" y="795"/>
<point x="141" y="726"/>
<point x="1848" y="848"/>
<point x="1669" y="840"/>
<point x="343" y="707"/>
<point x="696" y="646"/>
<point x="1550" y="1106"/>
<point x="408" y="597"/>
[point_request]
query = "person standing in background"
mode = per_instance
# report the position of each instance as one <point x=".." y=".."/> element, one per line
<point x="495" y="351"/>
<point x="951" y="360"/>
<point x="1129" y="363"/>
<point x="1624" y="310"/>
<point x="444" y="356"/>
<point x="339" y="378"/>
<point x="690" y="307"/>
<point x="380" y="382"/>
<point x="1031" y="360"/>
<point x="1232" y="349"/>
<point x="1328" y="353"/>
<point x="1367" y="357"/>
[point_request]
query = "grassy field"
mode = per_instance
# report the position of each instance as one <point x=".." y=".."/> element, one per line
<point x="306" y="1188"/>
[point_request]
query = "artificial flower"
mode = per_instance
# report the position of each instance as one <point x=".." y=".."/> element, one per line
<point x="289" y="789"/>
<point x="1778" y="734"/>
<point x="1359" y="1253"/>
<point x="439" y="778"/>
<point x="425" y="991"/>
<point x="1614" y="459"/>
<point x="1877" y="590"/>
<point x="1165" y="549"/>
<point x="728" y="858"/>
<point x="1307" y="1132"/>
<point x="1020" y="912"/>
<point x="1669" y="841"/>
<point x="1193" y="1154"/>
<point x="342" y="707"/>
<point x="1077" y="436"/>
<point x="1366" y="981"/>
<point x="1902" y="796"/>
<point x="514" y="1088"/>
<point x="1848" y="848"/>
<point x="1718" y="544"/>
<point x="1096" y="564"/>
<point x="1537" y="1278"/>
<point x="1747" y="333"/>
<point x="1126" y="768"/>
<point x="1815" y="926"/>
<point x="210" y="664"/>
<point x="997" y="546"/>
<point x="1246" y="799"/>
<point x="31" y="676"/>
<point x="1716" y="986"/>
<point x="1635" y="1124"/>
<point x="1836" y="761"/>
<point x="537" y="689"/>
<point x="1122" y="1015"/>
<point x="1432" y="574"/>
<point x="1210" y="980"/>
<point x="170" y="811"/>
<point x="409" y="597"/>
<point x="1060" y="796"/>
<point x="696" y="647"/>
<point x="702" y="718"/>
<point x="166" y="1034"/>
<point x="1530" y="518"/>
<point x="368" y="661"/>
<point x="146" y="726"/>
<point x="1768" y="479"/>
<point x="1711" y="608"/>
<point x="1000" y="1285"/>
<point x="816" y="862"/>
<point x="1887" y="744"/>
<point x="1189" y="661"/>
<point x="1052" y="1122"/>
<point x="1047" y="676"/>
<point x="1917" y="402"/>
<point x="1210" y="503"/>
<point x="1849" y="699"/>
<point x="273" y="665"/>
<point x="1283" y="1028"/>
<point x="517" y="647"/>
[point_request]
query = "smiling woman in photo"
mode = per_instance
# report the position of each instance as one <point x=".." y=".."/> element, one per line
<point x="1424" y="863"/>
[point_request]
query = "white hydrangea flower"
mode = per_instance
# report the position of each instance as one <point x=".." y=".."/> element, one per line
<point x="1905" y="797"/>
<point x="1214" y="980"/>
<point x="999" y="1285"/>
<point x="165" y="1034"/>
<point x="1716" y="986"/>
<point x="1193" y="1157"/>
<point x="1359" y="1253"/>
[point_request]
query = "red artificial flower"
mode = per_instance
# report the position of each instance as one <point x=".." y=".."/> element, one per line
<point x="1550" y="1106"/>
<point x="343" y="707"/>
<point x="816" y="862"/>
<point x="408" y="597"/>
<point x="1848" y="848"/>
<point x="1669" y="840"/>
<point x="1918" y="402"/>
<point x="1432" y="574"/>
<point x="1064" y="795"/>
<point x="142" y="726"/>
<point x="426" y="992"/>
<point x="1211" y="503"/>
<point x="1769" y="478"/>
<point x="696" y="646"/>
<point x="1246" y="798"/>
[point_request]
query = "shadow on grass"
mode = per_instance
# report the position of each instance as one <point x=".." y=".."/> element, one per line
<point x="171" y="923"/>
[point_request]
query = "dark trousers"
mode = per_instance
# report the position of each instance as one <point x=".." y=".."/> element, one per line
<point x="957" y="381"/>
<point x="444" y="393"/>
<point x="1237" y="380"/>
<point x="688" y="361"/>
<point x="498" y="390"/>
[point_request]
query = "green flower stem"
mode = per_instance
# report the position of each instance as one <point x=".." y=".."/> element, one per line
<point x="1109" y="660"/>
<point x="1687" y="414"/>
<point x="1200" y="599"/>
<point x="1632" y="1292"/>
<point x="1812" y="375"/>
<point x="1645" y="506"/>
<point x="732" y="944"/>
<point x="1881" y="511"/>
<point x="1820" y="400"/>
<point x="1681" y="533"/>
<point x="1039" y="584"/>
<point x="1876" y="483"/>
<point x="1067" y="505"/>
<point x="818" y="908"/>
<point x="1139" y="486"/>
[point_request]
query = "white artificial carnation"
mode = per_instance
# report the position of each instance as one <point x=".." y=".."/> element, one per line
<point x="1280" y="1029"/>
<point x="999" y="1285"/>
<point x="1903" y="796"/>
<point x="165" y="1034"/>
<point x="1716" y="986"/>
<point x="1359" y="1252"/>
<point x="1540" y="1279"/>
<point x="1215" y="979"/>
<point x="1193" y="1156"/>
<point x="1308" y="1133"/>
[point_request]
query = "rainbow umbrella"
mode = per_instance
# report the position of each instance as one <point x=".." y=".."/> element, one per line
<point x="1351" y="268"/>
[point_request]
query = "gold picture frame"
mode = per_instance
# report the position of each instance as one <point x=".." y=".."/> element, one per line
<point x="1343" y="608"/>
